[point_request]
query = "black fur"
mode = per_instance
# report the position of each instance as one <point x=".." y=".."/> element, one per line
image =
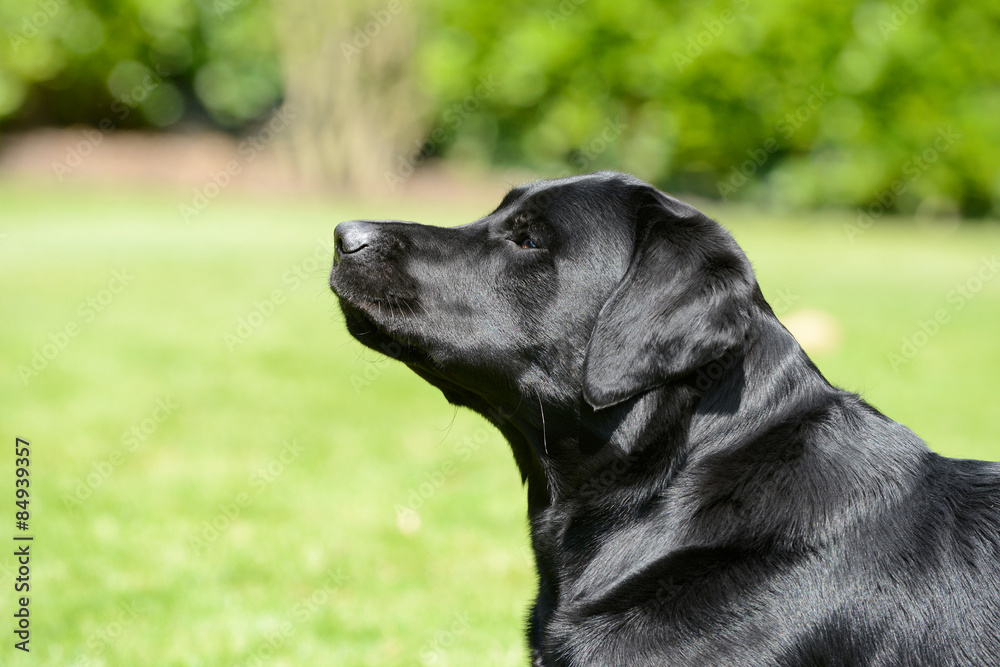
<point x="698" y="493"/>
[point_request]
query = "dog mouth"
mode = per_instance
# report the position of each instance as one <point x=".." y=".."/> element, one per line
<point x="377" y="315"/>
<point x="385" y="307"/>
<point x="382" y="323"/>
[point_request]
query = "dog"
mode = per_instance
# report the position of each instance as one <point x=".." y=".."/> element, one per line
<point x="698" y="493"/>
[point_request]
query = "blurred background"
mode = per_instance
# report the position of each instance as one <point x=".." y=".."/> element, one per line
<point x="222" y="477"/>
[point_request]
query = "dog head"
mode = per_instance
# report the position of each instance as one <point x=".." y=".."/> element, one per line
<point x="594" y="288"/>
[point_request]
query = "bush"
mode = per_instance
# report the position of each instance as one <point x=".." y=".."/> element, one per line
<point x="137" y="63"/>
<point x="797" y="101"/>
<point x="879" y="104"/>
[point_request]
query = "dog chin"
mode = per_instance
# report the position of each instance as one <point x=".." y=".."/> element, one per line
<point x="368" y="328"/>
<point x="362" y="324"/>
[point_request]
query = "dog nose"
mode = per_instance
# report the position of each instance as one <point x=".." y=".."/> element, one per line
<point x="351" y="237"/>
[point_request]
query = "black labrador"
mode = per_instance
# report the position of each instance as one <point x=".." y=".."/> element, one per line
<point x="698" y="493"/>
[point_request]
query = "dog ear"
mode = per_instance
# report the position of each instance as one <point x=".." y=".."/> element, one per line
<point x="684" y="302"/>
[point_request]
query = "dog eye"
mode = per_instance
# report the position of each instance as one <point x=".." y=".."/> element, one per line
<point x="526" y="243"/>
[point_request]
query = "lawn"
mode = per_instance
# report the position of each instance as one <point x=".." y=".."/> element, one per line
<point x="221" y="476"/>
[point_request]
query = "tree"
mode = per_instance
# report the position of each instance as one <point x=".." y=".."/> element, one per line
<point x="349" y="81"/>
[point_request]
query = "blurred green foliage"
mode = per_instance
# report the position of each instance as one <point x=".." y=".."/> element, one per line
<point x="88" y="61"/>
<point x="886" y="105"/>
<point x="799" y="102"/>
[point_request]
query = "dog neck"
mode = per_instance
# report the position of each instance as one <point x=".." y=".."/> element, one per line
<point x="570" y="453"/>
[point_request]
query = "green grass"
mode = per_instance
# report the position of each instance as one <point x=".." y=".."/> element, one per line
<point x="311" y="565"/>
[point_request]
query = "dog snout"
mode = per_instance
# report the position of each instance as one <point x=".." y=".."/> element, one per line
<point x="352" y="237"/>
